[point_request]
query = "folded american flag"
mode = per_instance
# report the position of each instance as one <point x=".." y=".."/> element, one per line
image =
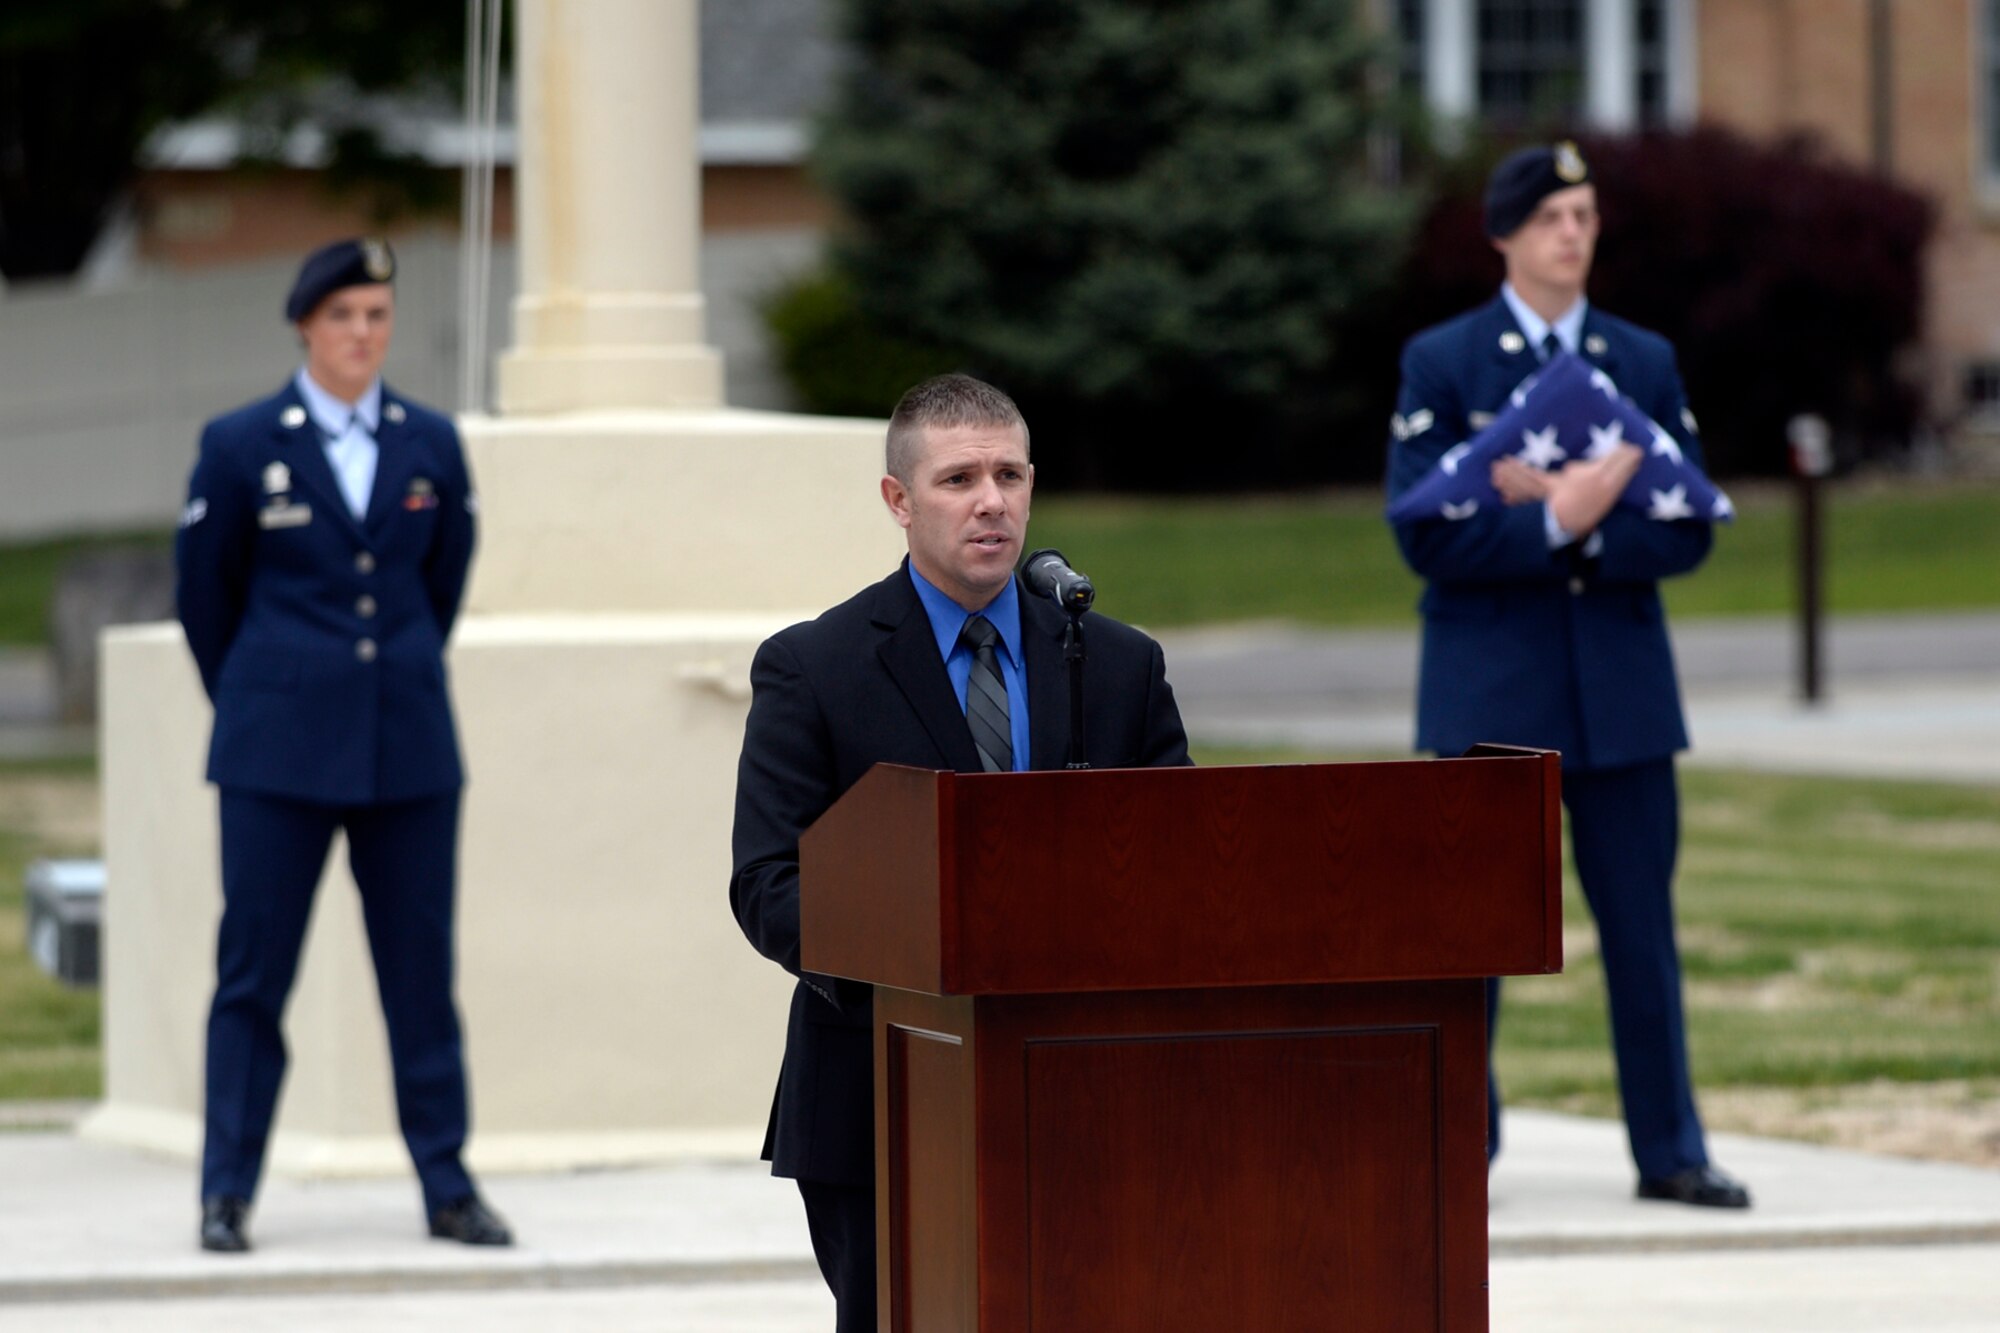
<point x="1567" y="410"/>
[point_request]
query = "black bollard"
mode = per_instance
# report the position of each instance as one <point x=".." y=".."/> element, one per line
<point x="1812" y="459"/>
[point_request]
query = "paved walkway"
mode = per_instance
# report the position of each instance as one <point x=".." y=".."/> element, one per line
<point x="100" y="1238"/>
<point x="1912" y="696"/>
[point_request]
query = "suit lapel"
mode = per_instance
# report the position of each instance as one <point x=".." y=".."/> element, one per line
<point x="1594" y="337"/>
<point x="1048" y="681"/>
<point x="299" y="447"/>
<point x="1506" y="344"/>
<point x="909" y="653"/>
<point x="395" y="461"/>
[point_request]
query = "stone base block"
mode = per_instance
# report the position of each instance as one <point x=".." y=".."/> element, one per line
<point x="613" y="1012"/>
<point x="652" y="512"/>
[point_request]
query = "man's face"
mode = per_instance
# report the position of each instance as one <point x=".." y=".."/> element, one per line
<point x="347" y="338"/>
<point x="1551" y="251"/>
<point x="965" y="509"/>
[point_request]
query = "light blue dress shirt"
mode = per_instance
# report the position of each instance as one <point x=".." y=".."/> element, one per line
<point x="1568" y="327"/>
<point x="347" y="432"/>
<point x="948" y="621"/>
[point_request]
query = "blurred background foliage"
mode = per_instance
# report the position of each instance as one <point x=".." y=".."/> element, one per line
<point x="1192" y="240"/>
<point x="84" y="82"/>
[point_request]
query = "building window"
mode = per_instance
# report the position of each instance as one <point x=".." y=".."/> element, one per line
<point x="1651" y="30"/>
<point x="1982" y="389"/>
<point x="1531" y="61"/>
<point x="1989" y="99"/>
<point x="1409" y="20"/>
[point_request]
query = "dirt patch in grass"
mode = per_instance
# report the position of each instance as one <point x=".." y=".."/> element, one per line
<point x="60" y="811"/>
<point x="1952" y="1121"/>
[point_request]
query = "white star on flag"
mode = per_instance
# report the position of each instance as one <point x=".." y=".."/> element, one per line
<point x="1723" y="508"/>
<point x="1603" y="439"/>
<point x="1457" y="512"/>
<point x="1602" y="383"/>
<point x="1666" y="446"/>
<point x="1451" y="457"/>
<point x="1539" y="448"/>
<point x="1670" y="504"/>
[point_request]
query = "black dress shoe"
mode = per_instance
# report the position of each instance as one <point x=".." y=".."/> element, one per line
<point x="470" y="1222"/>
<point x="222" y="1221"/>
<point x="1702" y="1186"/>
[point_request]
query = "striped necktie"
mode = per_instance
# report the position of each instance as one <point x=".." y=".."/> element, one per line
<point x="986" y="698"/>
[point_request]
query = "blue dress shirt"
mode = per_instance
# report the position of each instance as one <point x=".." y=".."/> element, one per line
<point x="948" y="621"/>
<point x="1568" y="327"/>
<point x="347" y="432"/>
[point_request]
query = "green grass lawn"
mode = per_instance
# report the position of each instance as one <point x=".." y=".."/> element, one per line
<point x="1834" y="932"/>
<point x="48" y="1032"/>
<point x="1327" y="558"/>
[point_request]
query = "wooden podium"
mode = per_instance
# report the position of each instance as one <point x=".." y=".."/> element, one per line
<point x="1185" y="1048"/>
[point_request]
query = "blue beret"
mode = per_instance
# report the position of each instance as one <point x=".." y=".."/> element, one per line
<point x="353" y="263"/>
<point x="1524" y="179"/>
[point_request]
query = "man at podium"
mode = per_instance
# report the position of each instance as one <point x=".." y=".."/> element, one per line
<point x="949" y="663"/>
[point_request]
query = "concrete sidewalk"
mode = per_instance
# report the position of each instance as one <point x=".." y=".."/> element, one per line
<point x="1907" y="696"/>
<point x="99" y="1238"/>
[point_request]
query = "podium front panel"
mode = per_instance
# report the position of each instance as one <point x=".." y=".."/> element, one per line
<point x="1284" y="1159"/>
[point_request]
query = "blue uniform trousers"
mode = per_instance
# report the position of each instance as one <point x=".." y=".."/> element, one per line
<point x="404" y="859"/>
<point x="1624" y="828"/>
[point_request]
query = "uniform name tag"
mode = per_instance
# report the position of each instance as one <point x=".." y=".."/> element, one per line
<point x="284" y="516"/>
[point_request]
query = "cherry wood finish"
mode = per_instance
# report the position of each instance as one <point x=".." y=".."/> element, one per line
<point x="1154" y="1073"/>
<point x="1120" y="879"/>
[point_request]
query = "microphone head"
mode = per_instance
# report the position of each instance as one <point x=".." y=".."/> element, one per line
<point x="1047" y="574"/>
<point x="1039" y="568"/>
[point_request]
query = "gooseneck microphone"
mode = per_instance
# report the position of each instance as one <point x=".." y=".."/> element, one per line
<point x="1047" y="574"/>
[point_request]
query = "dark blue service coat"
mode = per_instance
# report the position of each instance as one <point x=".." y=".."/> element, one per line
<point x="320" y="637"/>
<point x="1524" y="645"/>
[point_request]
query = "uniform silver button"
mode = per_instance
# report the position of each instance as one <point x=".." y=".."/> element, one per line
<point x="364" y="606"/>
<point x="1576" y="587"/>
<point x="365" y="562"/>
<point x="365" y="650"/>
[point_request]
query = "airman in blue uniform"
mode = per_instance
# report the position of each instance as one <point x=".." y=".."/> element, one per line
<point x="320" y="562"/>
<point x="1543" y="627"/>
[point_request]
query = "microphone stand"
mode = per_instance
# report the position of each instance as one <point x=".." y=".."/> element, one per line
<point x="1073" y="654"/>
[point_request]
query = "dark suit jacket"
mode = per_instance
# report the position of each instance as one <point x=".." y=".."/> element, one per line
<point x="1522" y="644"/>
<point x="320" y="638"/>
<point x="861" y="685"/>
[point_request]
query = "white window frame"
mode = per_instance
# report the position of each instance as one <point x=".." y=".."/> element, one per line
<point x="1610" y="62"/>
<point x="1986" y="105"/>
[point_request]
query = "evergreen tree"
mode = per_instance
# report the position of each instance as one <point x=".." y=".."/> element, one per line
<point x="1141" y="216"/>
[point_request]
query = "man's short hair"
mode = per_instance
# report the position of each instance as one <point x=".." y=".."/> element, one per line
<point x="944" y="402"/>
